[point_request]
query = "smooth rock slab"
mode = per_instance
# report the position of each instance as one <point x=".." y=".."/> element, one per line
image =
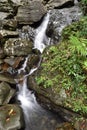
<point x="18" y="47"/>
<point x="6" y="93"/>
<point x="30" y="13"/>
<point x="11" y="117"/>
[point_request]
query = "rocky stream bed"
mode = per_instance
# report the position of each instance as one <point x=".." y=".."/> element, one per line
<point x="19" y="20"/>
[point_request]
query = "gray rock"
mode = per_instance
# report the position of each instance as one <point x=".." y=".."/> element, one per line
<point x="6" y="93"/>
<point x="5" y="7"/>
<point x="11" y="117"/>
<point x="18" y="47"/>
<point x="27" y="32"/>
<point x="7" y="33"/>
<point x="7" y="10"/>
<point x="30" y="13"/>
<point x="60" y="18"/>
<point x="7" y="78"/>
<point x="10" y="24"/>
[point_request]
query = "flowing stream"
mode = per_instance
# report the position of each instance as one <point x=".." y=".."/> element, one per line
<point x="36" y="118"/>
<point x="41" y="38"/>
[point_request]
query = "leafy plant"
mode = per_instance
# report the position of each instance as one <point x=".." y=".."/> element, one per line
<point x="79" y="45"/>
<point x="64" y="67"/>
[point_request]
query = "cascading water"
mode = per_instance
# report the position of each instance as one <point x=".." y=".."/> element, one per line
<point x="36" y="118"/>
<point x="40" y="35"/>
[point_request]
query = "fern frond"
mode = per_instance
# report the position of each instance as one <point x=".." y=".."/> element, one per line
<point x="79" y="45"/>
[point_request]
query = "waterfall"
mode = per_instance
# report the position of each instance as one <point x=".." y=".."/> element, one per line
<point x="26" y="97"/>
<point x="75" y="1"/>
<point x="36" y="118"/>
<point x="40" y="37"/>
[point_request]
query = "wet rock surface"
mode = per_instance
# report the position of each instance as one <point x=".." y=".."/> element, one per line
<point x="60" y="19"/>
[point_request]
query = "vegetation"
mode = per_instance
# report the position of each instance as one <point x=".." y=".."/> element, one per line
<point x="64" y="67"/>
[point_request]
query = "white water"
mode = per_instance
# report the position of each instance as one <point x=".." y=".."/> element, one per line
<point x="35" y="116"/>
<point x="75" y="1"/>
<point x="40" y="37"/>
<point x="26" y="97"/>
<point x="23" y="66"/>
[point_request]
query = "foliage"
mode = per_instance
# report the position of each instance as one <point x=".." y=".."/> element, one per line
<point x="64" y="66"/>
<point x="79" y="45"/>
<point x="78" y="29"/>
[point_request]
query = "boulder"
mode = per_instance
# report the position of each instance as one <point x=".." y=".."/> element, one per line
<point x="6" y="93"/>
<point x="30" y="13"/>
<point x="60" y="19"/>
<point x="18" y="47"/>
<point x="11" y="117"/>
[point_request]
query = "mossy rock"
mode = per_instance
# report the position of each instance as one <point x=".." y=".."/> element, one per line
<point x="78" y="29"/>
<point x="63" y="78"/>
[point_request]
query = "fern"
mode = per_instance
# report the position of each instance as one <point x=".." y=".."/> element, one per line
<point x="79" y="45"/>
